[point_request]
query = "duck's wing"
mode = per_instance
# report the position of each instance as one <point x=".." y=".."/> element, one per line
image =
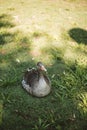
<point x="31" y="77"/>
<point x="26" y="87"/>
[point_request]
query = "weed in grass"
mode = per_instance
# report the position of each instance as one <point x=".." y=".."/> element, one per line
<point x="43" y="125"/>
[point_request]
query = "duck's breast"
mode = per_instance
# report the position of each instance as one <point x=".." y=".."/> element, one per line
<point x="42" y="88"/>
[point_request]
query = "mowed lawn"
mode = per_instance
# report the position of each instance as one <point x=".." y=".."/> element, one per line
<point x="54" y="32"/>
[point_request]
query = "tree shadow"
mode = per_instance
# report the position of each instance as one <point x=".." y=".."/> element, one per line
<point x="79" y="35"/>
<point x="5" y="21"/>
<point x="6" y="37"/>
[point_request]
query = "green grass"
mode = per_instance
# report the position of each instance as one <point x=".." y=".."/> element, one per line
<point x="54" y="32"/>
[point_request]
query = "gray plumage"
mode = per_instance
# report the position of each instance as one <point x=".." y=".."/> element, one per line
<point x="36" y="82"/>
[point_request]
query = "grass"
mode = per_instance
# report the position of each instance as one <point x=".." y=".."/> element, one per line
<point x="54" y="32"/>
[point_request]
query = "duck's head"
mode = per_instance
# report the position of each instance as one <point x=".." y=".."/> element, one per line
<point x="40" y="66"/>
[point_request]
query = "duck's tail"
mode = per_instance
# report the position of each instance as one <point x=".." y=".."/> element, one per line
<point x="26" y="87"/>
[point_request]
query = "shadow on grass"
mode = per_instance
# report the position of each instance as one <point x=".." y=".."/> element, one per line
<point x="20" y="47"/>
<point x="5" y="21"/>
<point x="79" y="35"/>
<point x="6" y="37"/>
<point x="11" y="74"/>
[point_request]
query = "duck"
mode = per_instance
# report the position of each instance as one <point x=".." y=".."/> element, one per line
<point x="36" y="82"/>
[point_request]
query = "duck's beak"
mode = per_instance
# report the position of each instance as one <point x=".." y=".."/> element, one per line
<point x="43" y="68"/>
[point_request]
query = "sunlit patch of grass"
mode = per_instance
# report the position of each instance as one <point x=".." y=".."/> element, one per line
<point x="65" y="35"/>
<point x="37" y="34"/>
<point x="82" y="48"/>
<point x="68" y="86"/>
<point x="74" y="51"/>
<point x="39" y="41"/>
<point x="11" y="9"/>
<point x="18" y="49"/>
<point x="82" y="104"/>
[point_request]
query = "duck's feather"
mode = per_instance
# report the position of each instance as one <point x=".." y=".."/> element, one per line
<point x="36" y="83"/>
<point x="26" y="87"/>
<point x="47" y="79"/>
<point x="31" y="77"/>
<point x="42" y="89"/>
